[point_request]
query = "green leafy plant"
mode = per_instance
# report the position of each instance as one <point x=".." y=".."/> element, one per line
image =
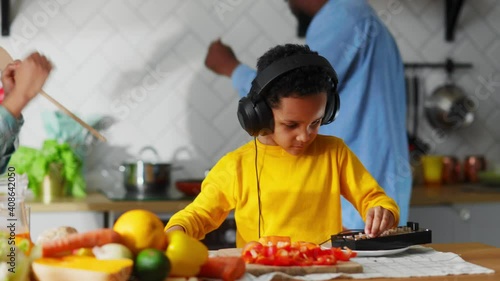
<point x="37" y="163"/>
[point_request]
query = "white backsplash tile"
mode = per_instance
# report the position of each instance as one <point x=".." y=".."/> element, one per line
<point x="124" y="57"/>
<point x="80" y="12"/>
<point x="243" y="26"/>
<point x="156" y="11"/>
<point x="189" y="49"/>
<point x="225" y="92"/>
<point x="493" y="16"/>
<point x="88" y="40"/>
<point x="105" y="53"/>
<point x="265" y="17"/>
<point x="202" y="24"/>
<point x="493" y="52"/>
<point x="479" y="32"/>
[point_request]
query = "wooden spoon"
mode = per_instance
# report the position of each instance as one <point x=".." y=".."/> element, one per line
<point x="6" y="58"/>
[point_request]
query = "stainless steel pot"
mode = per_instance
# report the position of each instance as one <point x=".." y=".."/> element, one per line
<point x="449" y="108"/>
<point x="146" y="177"/>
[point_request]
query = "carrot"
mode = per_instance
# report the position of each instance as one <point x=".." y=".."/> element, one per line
<point x="75" y="241"/>
<point x="225" y="268"/>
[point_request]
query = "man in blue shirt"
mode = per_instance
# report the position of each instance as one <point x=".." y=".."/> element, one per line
<point x="371" y="85"/>
<point x="21" y="81"/>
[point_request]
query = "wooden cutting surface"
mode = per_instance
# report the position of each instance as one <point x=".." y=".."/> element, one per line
<point x="257" y="269"/>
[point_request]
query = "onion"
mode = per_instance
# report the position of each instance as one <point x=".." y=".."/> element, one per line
<point x="112" y="251"/>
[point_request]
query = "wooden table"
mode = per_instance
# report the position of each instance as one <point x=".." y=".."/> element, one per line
<point x="476" y="253"/>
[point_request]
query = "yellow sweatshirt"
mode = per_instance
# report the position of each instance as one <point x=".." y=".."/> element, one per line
<point x="300" y="195"/>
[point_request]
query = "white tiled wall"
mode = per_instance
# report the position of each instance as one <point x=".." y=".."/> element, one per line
<point x="141" y="62"/>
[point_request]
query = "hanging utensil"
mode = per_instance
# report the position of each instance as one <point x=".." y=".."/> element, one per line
<point x="449" y="108"/>
<point x="417" y="146"/>
<point x="6" y="58"/>
<point x="409" y="106"/>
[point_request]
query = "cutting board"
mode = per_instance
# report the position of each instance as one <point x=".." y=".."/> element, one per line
<point x="257" y="269"/>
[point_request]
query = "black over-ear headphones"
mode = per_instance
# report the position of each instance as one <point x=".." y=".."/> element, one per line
<point x="256" y="115"/>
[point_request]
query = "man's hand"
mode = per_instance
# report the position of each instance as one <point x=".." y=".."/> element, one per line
<point x="8" y="81"/>
<point x="378" y="220"/>
<point x="221" y="59"/>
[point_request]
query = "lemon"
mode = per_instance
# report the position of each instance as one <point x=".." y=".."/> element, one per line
<point x="141" y="229"/>
<point x="151" y="265"/>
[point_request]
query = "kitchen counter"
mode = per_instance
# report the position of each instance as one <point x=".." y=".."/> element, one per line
<point x="421" y="196"/>
<point x="98" y="202"/>
<point x="454" y="194"/>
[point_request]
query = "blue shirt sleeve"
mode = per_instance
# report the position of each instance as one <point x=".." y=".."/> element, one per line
<point x="372" y="117"/>
<point x="242" y="79"/>
<point x="9" y="131"/>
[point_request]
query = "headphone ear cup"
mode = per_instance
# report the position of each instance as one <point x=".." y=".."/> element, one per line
<point x="254" y="117"/>
<point x="332" y="107"/>
<point x="247" y="115"/>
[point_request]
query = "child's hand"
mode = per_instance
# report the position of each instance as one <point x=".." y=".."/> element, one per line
<point x="31" y="74"/>
<point x="378" y="220"/>
<point x="23" y="80"/>
<point x="175" y="228"/>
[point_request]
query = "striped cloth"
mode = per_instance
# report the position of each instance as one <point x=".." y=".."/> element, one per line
<point x="9" y="131"/>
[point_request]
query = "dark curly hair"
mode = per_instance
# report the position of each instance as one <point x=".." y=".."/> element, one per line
<point x="300" y="82"/>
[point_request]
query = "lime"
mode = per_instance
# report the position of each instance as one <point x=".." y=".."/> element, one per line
<point x="151" y="265"/>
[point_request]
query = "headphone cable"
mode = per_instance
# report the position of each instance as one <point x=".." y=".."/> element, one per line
<point x="258" y="183"/>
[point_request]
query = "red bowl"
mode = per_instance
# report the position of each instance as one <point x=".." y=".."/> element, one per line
<point x="189" y="187"/>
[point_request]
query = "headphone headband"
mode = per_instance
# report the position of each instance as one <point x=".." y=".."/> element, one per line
<point x="286" y="64"/>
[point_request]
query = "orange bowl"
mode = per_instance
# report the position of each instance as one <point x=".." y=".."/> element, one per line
<point x="190" y="187"/>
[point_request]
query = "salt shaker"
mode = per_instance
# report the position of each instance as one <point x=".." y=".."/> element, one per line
<point x="451" y="170"/>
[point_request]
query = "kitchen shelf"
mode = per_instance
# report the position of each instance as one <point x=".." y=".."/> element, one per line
<point x="449" y="65"/>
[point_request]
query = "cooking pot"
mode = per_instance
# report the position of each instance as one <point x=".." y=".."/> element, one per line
<point x="449" y="108"/>
<point x="146" y="177"/>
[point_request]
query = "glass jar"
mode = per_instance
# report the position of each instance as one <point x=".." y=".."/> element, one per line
<point x="15" y="242"/>
<point x="14" y="213"/>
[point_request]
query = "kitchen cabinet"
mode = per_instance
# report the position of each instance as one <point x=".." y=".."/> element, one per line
<point x="460" y="222"/>
<point x="80" y="220"/>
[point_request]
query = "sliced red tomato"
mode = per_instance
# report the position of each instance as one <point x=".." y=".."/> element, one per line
<point x="325" y="260"/>
<point x="304" y="245"/>
<point x="278" y="241"/>
<point x="280" y="251"/>
<point x="265" y="260"/>
<point x="270" y="251"/>
<point x="343" y="255"/>
<point x="251" y="245"/>
<point x="251" y="251"/>
<point x="282" y="258"/>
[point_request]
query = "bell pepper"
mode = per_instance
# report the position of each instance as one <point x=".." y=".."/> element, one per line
<point x="186" y="254"/>
<point x="281" y="251"/>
